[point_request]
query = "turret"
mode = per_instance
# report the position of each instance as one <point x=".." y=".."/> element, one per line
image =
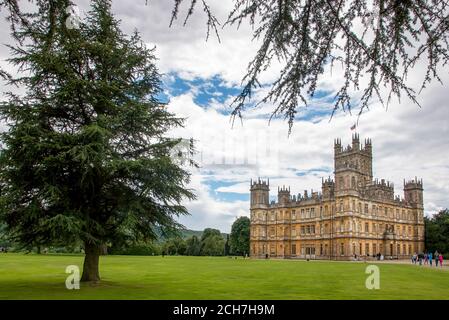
<point x="283" y="195"/>
<point x="368" y="146"/>
<point x="260" y="193"/>
<point x="337" y="146"/>
<point x="327" y="188"/>
<point x="413" y="192"/>
<point x="355" y="142"/>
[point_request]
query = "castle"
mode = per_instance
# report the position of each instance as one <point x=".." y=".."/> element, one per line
<point x="353" y="215"/>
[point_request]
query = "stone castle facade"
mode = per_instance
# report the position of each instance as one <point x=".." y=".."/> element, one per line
<point x="353" y="214"/>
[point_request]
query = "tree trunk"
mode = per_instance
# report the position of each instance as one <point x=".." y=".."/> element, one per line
<point x="91" y="262"/>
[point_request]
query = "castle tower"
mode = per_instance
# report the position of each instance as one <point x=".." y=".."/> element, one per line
<point x="355" y="142"/>
<point x="327" y="188"/>
<point x="260" y="193"/>
<point x="283" y="195"/>
<point x="413" y="193"/>
<point x="353" y="164"/>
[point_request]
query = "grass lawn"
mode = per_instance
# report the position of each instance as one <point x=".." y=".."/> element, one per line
<point x="134" y="277"/>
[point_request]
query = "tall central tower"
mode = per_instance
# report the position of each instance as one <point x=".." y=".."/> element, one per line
<point x="353" y="164"/>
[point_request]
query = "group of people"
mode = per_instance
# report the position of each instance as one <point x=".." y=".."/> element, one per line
<point x="428" y="258"/>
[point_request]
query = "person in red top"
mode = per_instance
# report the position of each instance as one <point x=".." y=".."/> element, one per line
<point x="441" y="260"/>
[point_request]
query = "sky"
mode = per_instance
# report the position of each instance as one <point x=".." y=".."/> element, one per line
<point x="200" y="80"/>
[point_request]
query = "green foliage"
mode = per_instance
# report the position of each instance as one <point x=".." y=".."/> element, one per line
<point x="4" y="240"/>
<point x="239" y="239"/>
<point x="175" y="246"/>
<point x="227" y="247"/>
<point x="437" y="232"/>
<point x="139" y="249"/>
<point x="86" y="156"/>
<point x="209" y="232"/>
<point x="193" y="246"/>
<point x="211" y="243"/>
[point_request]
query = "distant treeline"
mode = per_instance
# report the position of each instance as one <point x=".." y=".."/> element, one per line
<point x="437" y="233"/>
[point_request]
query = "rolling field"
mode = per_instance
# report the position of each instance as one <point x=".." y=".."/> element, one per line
<point x="139" y="277"/>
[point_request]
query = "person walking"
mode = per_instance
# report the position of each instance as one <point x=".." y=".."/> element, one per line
<point x="426" y="260"/>
<point x="430" y="258"/>
<point x="440" y="257"/>
<point x="436" y="259"/>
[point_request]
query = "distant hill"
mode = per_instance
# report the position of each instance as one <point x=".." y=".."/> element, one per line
<point x="188" y="233"/>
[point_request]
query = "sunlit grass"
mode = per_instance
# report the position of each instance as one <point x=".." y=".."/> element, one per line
<point x="139" y="277"/>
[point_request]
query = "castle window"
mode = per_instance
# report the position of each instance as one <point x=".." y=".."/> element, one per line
<point x="302" y="214"/>
<point x="374" y="248"/>
<point x="353" y="205"/>
<point x="326" y="210"/>
<point x="367" y="253"/>
<point x="341" y="205"/>
<point x="293" y="249"/>
<point x="342" y="249"/>
<point x="366" y="207"/>
<point x="293" y="232"/>
<point x="353" y="182"/>
<point x="366" y="227"/>
<point x="312" y="212"/>
<point x="307" y="213"/>
<point x="360" y="207"/>
<point x="293" y="215"/>
<point x="302" y="230"/>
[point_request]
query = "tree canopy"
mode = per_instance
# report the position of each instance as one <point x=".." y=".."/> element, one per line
<point x="86" y="155"/>
<point x="239" y="238"/>
<point x="437" y="232"/>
